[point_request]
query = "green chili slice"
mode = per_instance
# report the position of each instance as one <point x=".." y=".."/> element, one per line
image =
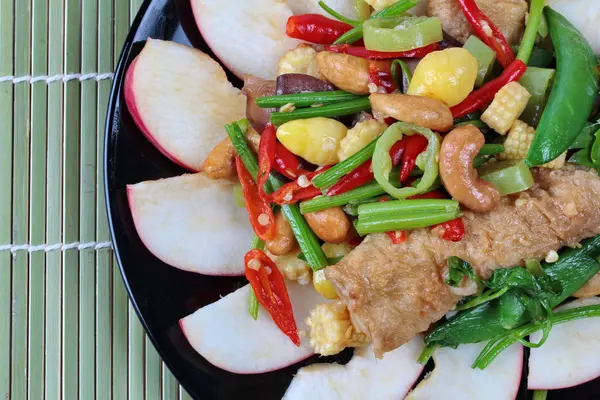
<point x="401" y="33"/>
<point x="382" y="163"/>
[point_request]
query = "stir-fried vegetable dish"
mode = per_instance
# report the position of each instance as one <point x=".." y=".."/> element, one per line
<point x="432" y="174"/>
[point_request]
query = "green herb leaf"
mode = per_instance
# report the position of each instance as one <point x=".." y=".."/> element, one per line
<point x="458" y="269"/>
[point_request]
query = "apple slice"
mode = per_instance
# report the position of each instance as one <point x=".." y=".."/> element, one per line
<point x="364" y="377"/>
<point x="247" y="36"/>
<point x="181" y="100"/>
<point x="192" y="223"/>
<point x="345" y="7"/>
<point x="226" y="335"/>
<point x="453" y="377"/>
<point x="570" y="355"/>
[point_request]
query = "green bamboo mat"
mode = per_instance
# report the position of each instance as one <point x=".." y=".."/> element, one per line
<point x="67" y="330"/>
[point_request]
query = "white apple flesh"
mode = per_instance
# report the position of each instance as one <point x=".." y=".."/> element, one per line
<point x="453" y="377"/>
<point x="225" y="334"/>
<point x="247" y="36"/>
<point x="570" y="355"/>
<point x="344" y="7"/>
<point x="364" y="377"/>
<point x="181" y="100"/>
<point x="192" y="223"/>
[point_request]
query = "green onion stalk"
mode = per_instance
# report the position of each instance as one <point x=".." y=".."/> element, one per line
<point x="331" y="110"/>
<point x="306" y="99"/>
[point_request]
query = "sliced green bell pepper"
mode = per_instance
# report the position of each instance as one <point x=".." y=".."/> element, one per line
<point x="573" y="93"/>
<point x="401" y="33"/>
<point x="382" y="162"/>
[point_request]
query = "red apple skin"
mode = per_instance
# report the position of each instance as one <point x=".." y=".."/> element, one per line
<point x="129" y="94"/>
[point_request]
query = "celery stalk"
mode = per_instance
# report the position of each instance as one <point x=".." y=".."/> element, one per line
<point x="485" y="57"/>
<point x="538" y="82"/>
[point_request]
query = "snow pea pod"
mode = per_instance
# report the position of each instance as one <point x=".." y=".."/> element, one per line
<point x="573" y="93"/>
<point x="573" y="269"/>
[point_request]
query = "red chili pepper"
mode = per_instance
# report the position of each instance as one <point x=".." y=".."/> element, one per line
<point x="258" y="208"/>
<point x="485" y="94"/>
<point x="315" y="28"/>
<point x="415" y="145"/>
<point x="434" y="194"/>
<point x="292" y="192"/>
<point x="363" y="173"/>
<point x="355" y="241"/>
<point x="361" y="51"/>
<point x="454" y="231"/>
<point x="380" y="74"/>
<point x="488" y="32"/>
<point x="287" y="164"/>
<point x="357" y="177"/>
<point x="266" y="157"/>
<point x="270" y="290"/>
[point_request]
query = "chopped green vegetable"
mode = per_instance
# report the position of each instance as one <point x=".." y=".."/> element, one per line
<point x="586" y="137"/>
<point x="485" y="57"/>
<point x="308" y="242"/>
<point x="533" y="23"/>
<point x="401" y="33"/>
<point x="576" y="84"/>
<point x="512" y="308"/>
<point x="506" y="339"/>
<point x="538" y="82"/>
<point x="330" y="110"/>
<point x="401" y="74"/>
<point x="337" y="15"/>
<point x="491" y="149"/>
<point x="479" y="300"/>
<point x="376" y="224"/>
<point x="595" y="150"/>
<point x="330" y="260"/>
<point x="238" y="196"/>
<point x="540" y="394"/>
<point x="573" y="269"/>
<point x="382" y="162"/>
<point x="507" y="176"/>
<point x="426" y="354"/>
<point x="334" y="174"/>
<point x="306" y="99"/>
<point x="458" y="269"/>
<point x="396" y="207"/>
<point x="362" y="9"/>
<point x="398" y="8"/>
<point x="253" y="302"/>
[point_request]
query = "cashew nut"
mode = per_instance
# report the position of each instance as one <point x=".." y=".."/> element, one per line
<point x="330" y="225"/>
<point x="284" y="240"/>
<point x="460" y="179"/>
<point x="347" y="72"/>
<point x="219" y="164"/>
<point x="418" y="110"/>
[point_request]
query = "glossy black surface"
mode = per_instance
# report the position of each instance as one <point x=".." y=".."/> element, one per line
<point x="162" y="294"/>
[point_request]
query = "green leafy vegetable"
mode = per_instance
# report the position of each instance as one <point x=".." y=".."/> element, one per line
<point x="458" y="269"/>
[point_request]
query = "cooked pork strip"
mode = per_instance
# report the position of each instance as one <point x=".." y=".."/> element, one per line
<point x="507" y="15"/>
<point x="394" y="292"/>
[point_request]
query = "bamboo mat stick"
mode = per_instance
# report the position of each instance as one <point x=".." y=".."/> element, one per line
<point x="6" y="132"/>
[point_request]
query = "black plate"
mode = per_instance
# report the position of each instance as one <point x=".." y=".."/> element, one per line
<point x="161" y="294"/>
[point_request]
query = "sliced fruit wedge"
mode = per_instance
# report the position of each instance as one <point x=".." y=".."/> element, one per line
<point x="453" y="377"/>
<point x="192" y="223"/>
<point x="345" y="7"/>
<point x="570" y="355"/>
<point x="226" y="335"/>
<point x="180" y="99"/>
<point x="364" y="377"/>
<point x="247" y="36"/>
